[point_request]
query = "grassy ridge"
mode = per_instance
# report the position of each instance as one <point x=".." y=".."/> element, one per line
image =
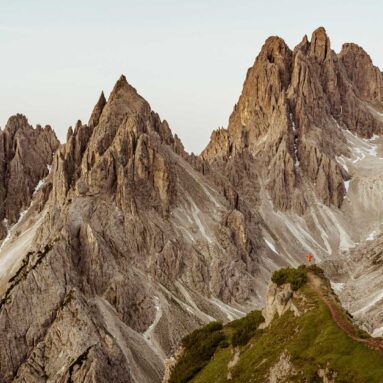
<point x="312" y="340"/>
<point x="245" y="328"/>
<point x="296" y="277"/>
<point x="200" y="346"/>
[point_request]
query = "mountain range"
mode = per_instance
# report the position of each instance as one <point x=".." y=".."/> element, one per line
<point x="118" y="243"/>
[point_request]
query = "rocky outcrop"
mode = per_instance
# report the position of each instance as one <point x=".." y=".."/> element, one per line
<point x="283" y="370"/>
<point x="279" y="299"/>
<point x="365" y="77"/>
<point x="170" y="363"/>
<point x="25" y="155"/>
<point x="327" y="375"/>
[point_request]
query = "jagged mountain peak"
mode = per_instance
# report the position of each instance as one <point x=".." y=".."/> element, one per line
<point x="126" y="97"/>
<point x="124" y="148"/>
<point x="290" y="106"/>
<point x="303" y="46"/>
<point x="274" y="45"/>
<point x="25" y="153"/>
<point x="16" y="122"/>
<point x="19" y="122"/>
<point x="354" y="48"/>
<point x="366" y="78"/>
<point x="320" y="44"/>
<point x="320" y="31"/>
<point x="97" y="110"/>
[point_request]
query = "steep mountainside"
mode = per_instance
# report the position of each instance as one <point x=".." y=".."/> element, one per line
<point x="303" y="153"/>
<point x="25" y="155"/>
<point x="305" y="337"/>
<point x="358" y="280"/>
<point x="132" y="250"/>
<point x="129" y="242"/>
<point x="289" y="115"/>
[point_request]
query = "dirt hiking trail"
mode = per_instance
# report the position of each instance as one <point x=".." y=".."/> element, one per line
<point x="318" y="285"/>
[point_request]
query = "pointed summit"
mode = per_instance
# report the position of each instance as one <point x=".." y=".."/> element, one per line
<point x="124" y="98"/>
<point x="303" y="45"/>
<point x="263" y="89"/>
<point x="320" y="44"/>
<point x="16" y="122"/>
<point x="122" y="84"/>
<point x="366" y="78"/>
<point x="95" y="117"/>
<point x="274" y="48"/>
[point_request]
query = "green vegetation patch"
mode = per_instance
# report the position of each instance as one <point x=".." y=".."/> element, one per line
<point x="245" y="328"/>
<point x="296" y="277"/>
<point x="311" y="341"/>
<point x="216" y="370"/>
<point x="199" y="346"/>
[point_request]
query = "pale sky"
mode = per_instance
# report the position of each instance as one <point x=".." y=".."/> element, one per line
<point x="187" y="58"/>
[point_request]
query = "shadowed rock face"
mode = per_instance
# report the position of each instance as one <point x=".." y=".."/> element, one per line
<point x="137" y="242"/>
<point x="25" y="154"/>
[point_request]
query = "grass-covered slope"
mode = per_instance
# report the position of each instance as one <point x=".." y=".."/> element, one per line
<point x="320" y="341"/>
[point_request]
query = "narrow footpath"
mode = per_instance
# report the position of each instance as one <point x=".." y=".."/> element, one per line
<point x="316" y="283"/>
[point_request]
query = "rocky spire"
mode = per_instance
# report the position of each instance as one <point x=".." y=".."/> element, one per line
<point x="263" y="94"/>
<point x="95" y="116"/>
<point x="126" y="97"/>
<point x="366" y="78"/>
<point x="119" y="153"/>
<point x="320" y="44"/>
<point x="24" y="154"/>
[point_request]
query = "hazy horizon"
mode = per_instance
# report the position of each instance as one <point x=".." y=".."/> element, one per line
<point x="187" y="59"/>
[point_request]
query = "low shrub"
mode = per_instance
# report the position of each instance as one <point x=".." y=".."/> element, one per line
<point x="194" y="337"/>
<point x="224" y="343"/>
<point x="317" y="270"/>
<point x="200" y="346"/>
<point x="245" y="328"/>
<point x="296" y="277"/>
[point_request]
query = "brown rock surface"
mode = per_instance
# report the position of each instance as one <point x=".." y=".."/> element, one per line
<point x="288" y="119"/>
<point x="25" y="154"/>
<point x="135" y="249"/>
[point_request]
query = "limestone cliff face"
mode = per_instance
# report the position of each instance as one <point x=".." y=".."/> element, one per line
<point x="135" y="249"/>
<point x="120" y="151"/>
<point x="288" y="119"/>
<point x="364" y="76"/>
<point x="366" y="85"/>
<point x="25" y="154"/>
<point x="279" y="299"/>
<point x="112" y="185"/>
